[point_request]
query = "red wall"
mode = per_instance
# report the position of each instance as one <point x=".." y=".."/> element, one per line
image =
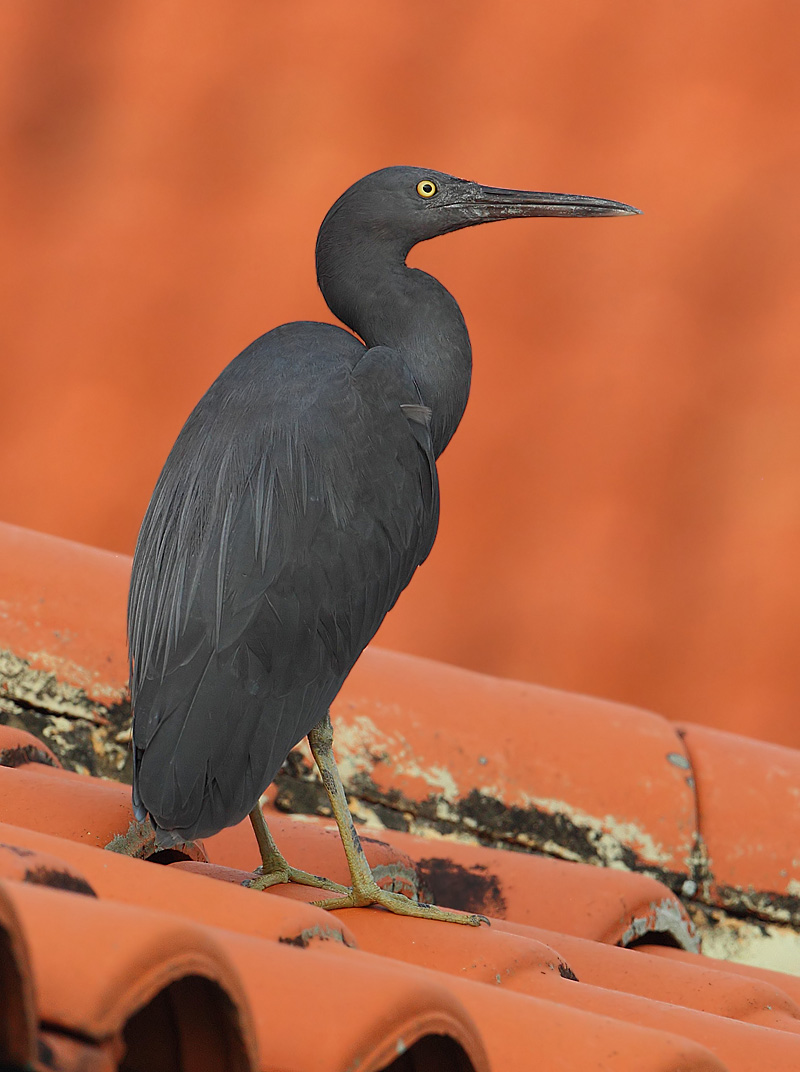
<point x="621" y="507"/>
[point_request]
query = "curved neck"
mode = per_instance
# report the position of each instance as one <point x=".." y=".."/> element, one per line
<point x="368" y="286"/>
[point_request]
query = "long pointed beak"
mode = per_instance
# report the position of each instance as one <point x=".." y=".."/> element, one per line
<point x="492" y="203"/>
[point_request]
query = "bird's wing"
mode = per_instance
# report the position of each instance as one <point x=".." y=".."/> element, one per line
<point x="278" y="537"/>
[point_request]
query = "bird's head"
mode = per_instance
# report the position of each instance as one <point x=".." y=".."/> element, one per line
<point x="407" y="205"/>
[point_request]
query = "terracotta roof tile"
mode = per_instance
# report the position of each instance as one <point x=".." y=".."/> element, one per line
<point x="783" y="981"/>
<point x="22" y="863"/>
<point x="100" y="942"/>
<point x="119" y="878"/>
<point x="396" y="1010"/>
<point x="60" y="603"/>
<point x="517" y="762"/>
<point x="604" y="904"/>
<point x="109" y="972"/>
<point x="64" y="803"/>
<point x="747" y="793"/>
<point x="17" y="1006"/>
<point x="18" y="748"/>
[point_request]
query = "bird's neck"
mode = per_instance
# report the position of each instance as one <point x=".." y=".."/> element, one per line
<point x="375" y="293"/>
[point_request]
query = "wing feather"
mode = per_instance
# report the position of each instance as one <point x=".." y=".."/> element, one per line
<point x="294" y="508"/>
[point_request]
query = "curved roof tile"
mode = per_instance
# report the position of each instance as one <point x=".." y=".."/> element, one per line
<point x="447" y="770"/>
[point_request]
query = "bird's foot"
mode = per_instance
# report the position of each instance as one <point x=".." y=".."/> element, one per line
<point x="400" y="905"/>
<point x="279" y="875"/>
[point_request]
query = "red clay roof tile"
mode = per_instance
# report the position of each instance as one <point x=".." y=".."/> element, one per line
<point x="18" y="747"/>
<point x="504" y="1048"/>
<point x="747" y="794"/>
<point x="743" y="1046"/>
<point x="355" y="1011"/>
<point x="605" y="904"/>
<point x="105" y="971"/>
<point x="763" y="1002"/>
<point x="64" y="803"/>
<point x="519" y="1029"/>
<point x="24" y="864"/>
<point x="604" y="783"/>
<point x="517" y="762"/>
<point x="17" y="1005"/>
<point x="119" y="878"/>
<point x="61" y="609"/>
<point x="786" y="983"/>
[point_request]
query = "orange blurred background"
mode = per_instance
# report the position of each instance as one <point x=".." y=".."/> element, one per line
<point x="621" y="506"/>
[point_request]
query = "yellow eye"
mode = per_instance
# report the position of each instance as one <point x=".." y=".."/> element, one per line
<point x="426" y="188"/>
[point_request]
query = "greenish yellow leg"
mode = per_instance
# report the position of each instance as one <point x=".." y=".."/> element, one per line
<point x="274" y="867"/>
<point x="365" y="890"/>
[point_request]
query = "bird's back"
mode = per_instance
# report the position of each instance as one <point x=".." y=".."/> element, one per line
<point x="293" y="509"/>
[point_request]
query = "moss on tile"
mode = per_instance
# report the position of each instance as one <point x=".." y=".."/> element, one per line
<point x="86" y="736"/>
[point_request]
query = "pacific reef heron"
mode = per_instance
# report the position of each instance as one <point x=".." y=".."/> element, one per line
<point x="296" y="504"/>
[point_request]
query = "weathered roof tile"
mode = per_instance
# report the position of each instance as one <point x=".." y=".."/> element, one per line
<point x="448" y="770"/>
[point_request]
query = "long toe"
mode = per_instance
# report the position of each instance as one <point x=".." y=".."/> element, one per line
<point x="294" y="874"/>
<point x="263" y="882"/>
<point x="401" y="906"/>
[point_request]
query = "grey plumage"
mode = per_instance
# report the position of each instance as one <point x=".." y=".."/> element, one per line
<point x="296" y="504"/>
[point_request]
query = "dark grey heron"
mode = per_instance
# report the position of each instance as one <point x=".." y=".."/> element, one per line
<point x="296" y="504"/>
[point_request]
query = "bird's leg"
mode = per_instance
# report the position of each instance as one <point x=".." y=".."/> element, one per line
<point x="365" y="890"/>
<point x="275" y="869"/>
